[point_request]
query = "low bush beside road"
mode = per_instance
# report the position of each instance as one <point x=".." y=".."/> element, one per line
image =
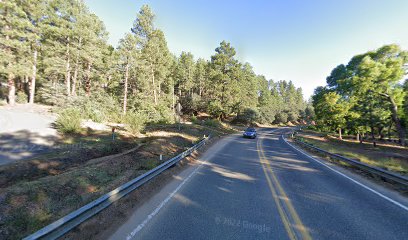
<point x="69" y="121"/>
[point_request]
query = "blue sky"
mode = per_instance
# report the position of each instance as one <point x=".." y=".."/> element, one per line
<point x="294" y="40"/>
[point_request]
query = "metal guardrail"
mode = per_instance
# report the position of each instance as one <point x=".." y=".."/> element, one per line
<point x="70" y="221"/>
<point x="373" y="170"/>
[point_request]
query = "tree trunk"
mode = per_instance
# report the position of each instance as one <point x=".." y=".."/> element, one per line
<point x="222" y="94"/>
<point x="11" y="89"/>
<point x="88" y="80"/>
<point x="74" y="79"/>
<point x="372" y="133"/>
<point x="33" y="78"/>
<point x="24" y="86"/>
<point x="68" y="72"/>
<point x="173" y="103"/>
<point x="200" y="89"/>
<point x="360" y="137"/>
<point x="380" y="132"/>
<point x="397" y="121"/>
<point x="159" y="86"/>
<point x="125" y="90"/>
<point x="389" y="131"/>
<point x="10" y="81"/>
<point x="154" y="87"/>
<point x="340" y="136"/>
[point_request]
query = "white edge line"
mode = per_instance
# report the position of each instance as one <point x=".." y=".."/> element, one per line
<point x="349" y="178"/>
<point x="162" y="204"/>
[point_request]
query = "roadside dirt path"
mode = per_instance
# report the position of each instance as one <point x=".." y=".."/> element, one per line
<point x="25" y="131"/>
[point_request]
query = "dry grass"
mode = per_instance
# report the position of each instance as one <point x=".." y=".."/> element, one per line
<point x="389" y="157"/>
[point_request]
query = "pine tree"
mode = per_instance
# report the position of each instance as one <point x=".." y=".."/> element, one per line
<point x="14" y="44"/>
<point x="128" y="57"/>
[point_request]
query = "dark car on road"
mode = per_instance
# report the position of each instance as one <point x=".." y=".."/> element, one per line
<point x="250" y="133"/>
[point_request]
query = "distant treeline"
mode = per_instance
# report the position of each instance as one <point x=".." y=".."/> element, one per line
<point x="56" y="52"/>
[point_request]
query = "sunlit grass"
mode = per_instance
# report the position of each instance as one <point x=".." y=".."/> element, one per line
<point x="378" y="157"/>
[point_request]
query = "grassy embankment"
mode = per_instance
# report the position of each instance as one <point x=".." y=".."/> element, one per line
<point x="34" y="193"/>
<point x="386" y="156"/>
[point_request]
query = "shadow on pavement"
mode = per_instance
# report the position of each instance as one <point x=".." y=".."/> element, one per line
<point x="24" y="144"/>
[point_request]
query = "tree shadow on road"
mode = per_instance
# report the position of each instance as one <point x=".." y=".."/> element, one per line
<point x="24" y="144"/>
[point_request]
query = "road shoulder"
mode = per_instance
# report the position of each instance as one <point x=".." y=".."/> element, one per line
<point x="366" y="182"/>
<point x="122" y="216"/>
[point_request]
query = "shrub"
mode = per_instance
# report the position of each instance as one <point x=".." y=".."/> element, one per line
<point x="266" y="114"/>
<point x="69" y="121"/>
<point x="21" y="97"/>
<point x="51" y="94"/>
<point x="281" y="117"/>
<point x="293" y="116"/>
<point x="135" y="122"/>
<point x="215" y="109"/>
<point x="155" y="114"/>
<point x="193" y="103"/>
<point x="247" y="116"/>
<point x="100" y="107"/>
<point x="194" y="120"/>
<point x="3" y="102"/>
<point x="165" y="114"/>
<point x="212" y="123"/>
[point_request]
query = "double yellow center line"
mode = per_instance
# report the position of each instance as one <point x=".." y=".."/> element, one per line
<point x="281" y="199"/>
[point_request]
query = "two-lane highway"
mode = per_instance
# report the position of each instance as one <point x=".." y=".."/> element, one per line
<point x="264" y="189"/>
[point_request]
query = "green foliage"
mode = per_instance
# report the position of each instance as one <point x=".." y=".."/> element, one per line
<point x="405" y="114"/>
<point x="248" y="116"/>
<point x="215" y="109"/>
<point x="69" y="120"/>
<point x="281" y="117"/>
<point x="212" y="123"/>
<point x="194" y="119"/>
<point x="21" y="97"/>
<point x="164" y="115"/>
<point x="99" y="107"/>
<point x="67" y="45"/>
<point x="135" y="122"/>
<point x="366" y="94"/>
<point x="331" y="110"/>
<point x="51" y="94"/>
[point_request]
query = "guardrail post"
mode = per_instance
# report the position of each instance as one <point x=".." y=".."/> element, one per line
<point x="161" y="157"/>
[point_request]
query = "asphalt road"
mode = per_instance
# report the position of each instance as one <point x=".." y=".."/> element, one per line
<point x="264" y="189"/>
<point x="23" y="134"/>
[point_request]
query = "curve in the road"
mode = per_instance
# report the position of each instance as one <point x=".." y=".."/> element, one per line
<point x="265" y="189"/>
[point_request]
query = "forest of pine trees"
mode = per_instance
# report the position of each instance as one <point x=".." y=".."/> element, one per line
<point x="55" y="52"/>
